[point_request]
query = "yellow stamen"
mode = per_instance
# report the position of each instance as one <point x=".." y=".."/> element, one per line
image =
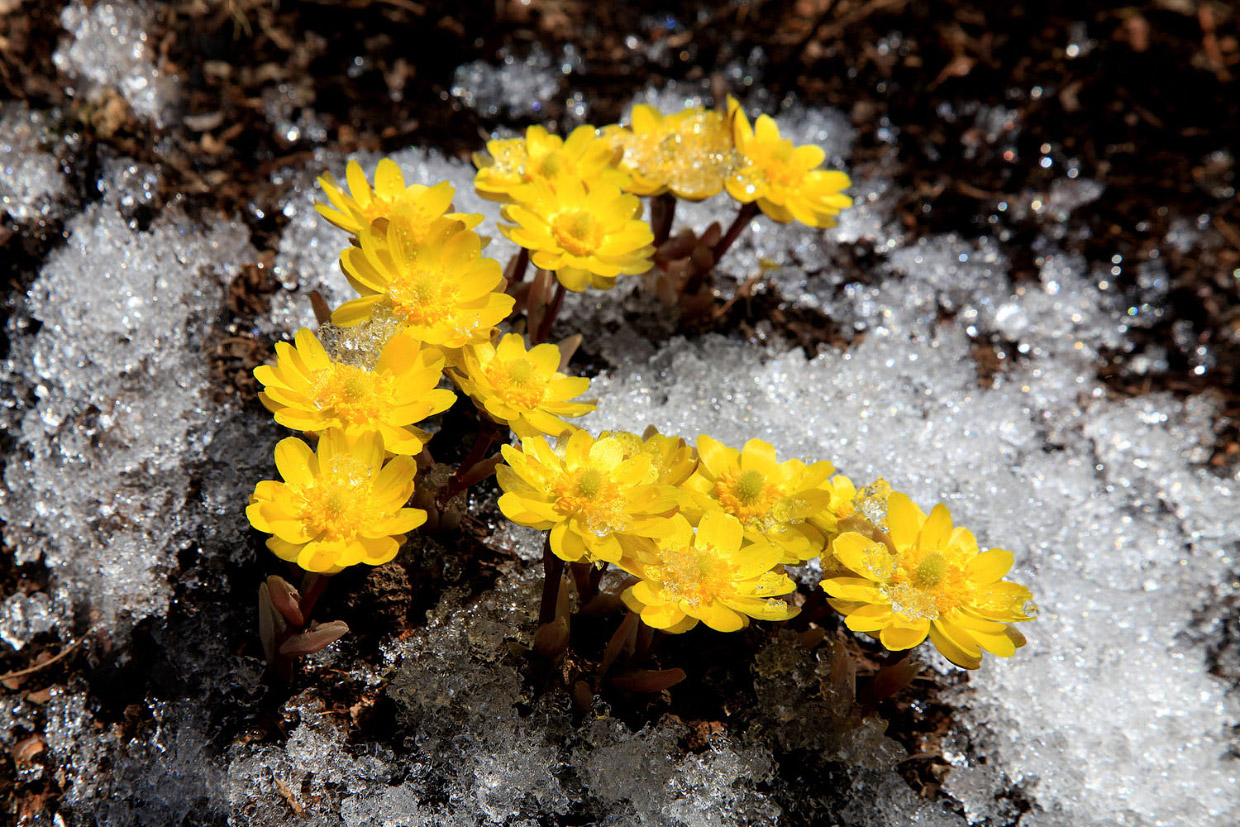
<point x="590" y="483"/>
<point x="930" y="571"/>
<point x="749" y="486"/>
<point x="747" y="495"/>
<point x="592" y="497"/>
<point x="422" y="296"/>
<point x="520" y="371"/>
<point x="353" y="394"/>
<point x="695" y="576"/>
<point x="336" y="506"/>
<point x="577" y="232"/>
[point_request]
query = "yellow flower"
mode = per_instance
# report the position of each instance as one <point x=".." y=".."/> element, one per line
<point x="587" y="238"/>
<point x="927" y="578"/>
<point x="689" y="152"/>
<point x="710" y="575"/>
<point x="594" y="500"/>
<point x="438" y="286"/>
<point x="784" y="179"/>
<point x="308" y="391"/>
<point x="521" y="388"/>
<point x="773" y="500"/>
<point x="356" y="210"/>
<point x="671" y="460"/>
<point x="512" y="162"/>
<point x="339" y="505"/>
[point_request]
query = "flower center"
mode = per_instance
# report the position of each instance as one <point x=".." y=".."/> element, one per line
<point x="335" y="506"/>
<point x="928" y="587"/>
<point x="550" y="165"/>
<point x="577" y="232"/>
<point x="590" y="483"/>
<point x="774" y="158"/>
<point x="929" y="571"/>
<point x="517" y="382"/>
<point x="592" y="497"/>
<point x="749" y="486"/>
<point x="748" y="497"/>
<point x="353" y="394"/>
<point x="520" y="371"/>
<point x="423" y="296"/>
<point x="693" y="575"/>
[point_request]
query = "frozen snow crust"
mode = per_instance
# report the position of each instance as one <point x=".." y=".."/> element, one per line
<point x="128" y="474"/>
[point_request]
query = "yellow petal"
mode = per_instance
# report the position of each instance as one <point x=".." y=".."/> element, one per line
<point x="389" y="183"/>
<point x="854" y="588"/>
<point x="716" y="458"/>
<point x="899" y="636"/>
<point x="566" y="543"/>
<point x="936" y="530"/>
<point x="955" y="645"/>
<point x="718" y="617"/>
<point x="903" y="520"/>
<point x="990" y="567"/>
<point x="758" y="456"/>
<point x="283" y="549"/>
<point x="859" y="553"/>
<point x="378" y="550"/>
<point x="293" y="461"/>
<point x="512" y="346"/>
<point x="354" y="312"/>
<point x="720" y="530"/>
<point x="661" y="617"/>
<point x="869" y="618"/>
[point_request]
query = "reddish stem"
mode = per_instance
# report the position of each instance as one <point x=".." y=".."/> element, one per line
<point x="312" y="588"/>
<point x="516" y="269"/>
<point x="485" y="438"/>
<point x="662" y="216"/>
<point x="548" y="319"/>
<point x="746" y="215"/>
<point x="553" y="572"/>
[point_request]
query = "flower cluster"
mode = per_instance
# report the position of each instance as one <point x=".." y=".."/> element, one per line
<point x="707" y="534"/>
<point x="572" y="202"/>
<point x="704" y="531"/>
<point x="426" y="312"/>
<point x="698" y="152"/>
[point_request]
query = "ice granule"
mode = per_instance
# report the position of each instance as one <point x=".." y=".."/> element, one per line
<point x="887" y="801"/>
<point x="32" y="184"/>
<point x="956" y="269"/>
<point x="22" y="616"/>
<point x="478" y="747"/>
<point x="526" y="543"/>
<point x="671" y="97"/>
<point x="109" y="399"/>
<point x="806" y="701"/>
<point x="517" y="87"/>
<point x="1069" y="194"/>
<point x="638" y="782"/>
<point x="109" y="48"/>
